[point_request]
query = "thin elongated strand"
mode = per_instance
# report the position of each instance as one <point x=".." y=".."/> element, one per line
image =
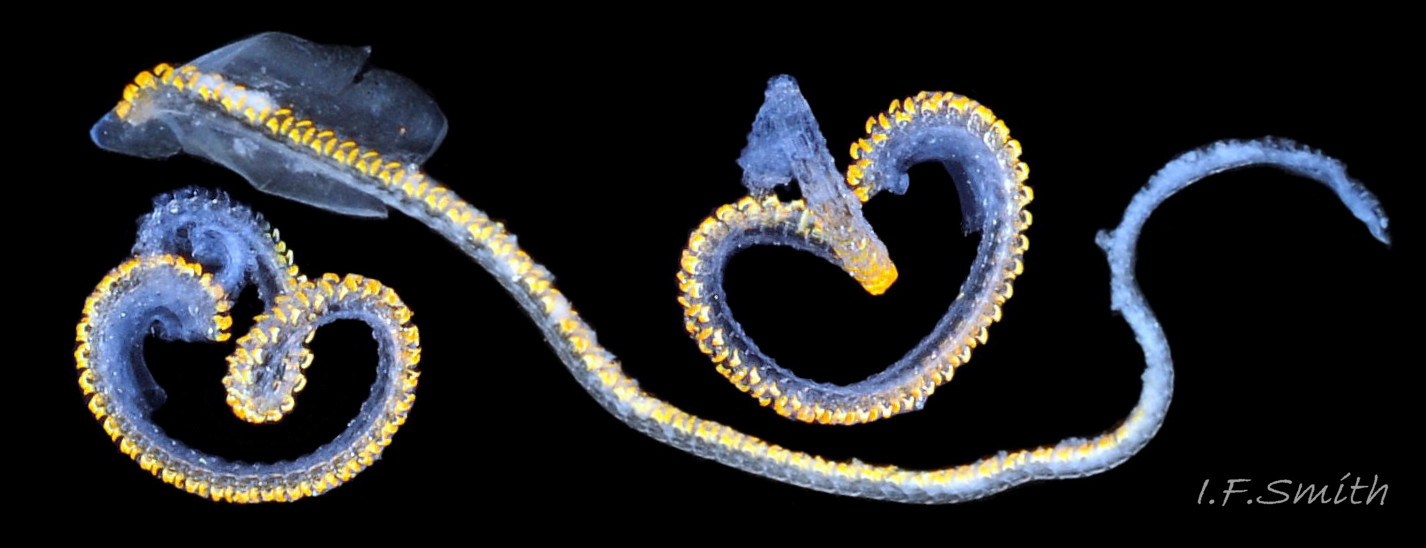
<point x="784" y="145"/>
<point x="1120" y="247"/>
<point x="194" y="252"/>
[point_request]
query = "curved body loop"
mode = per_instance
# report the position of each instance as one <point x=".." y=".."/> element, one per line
<point x="260" y="101"/>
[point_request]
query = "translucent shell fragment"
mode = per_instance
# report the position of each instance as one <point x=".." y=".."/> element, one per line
<point x="255" y="83"/>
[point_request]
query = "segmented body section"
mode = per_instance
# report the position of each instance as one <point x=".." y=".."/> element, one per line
<point x="928" y="127"/>
<point x="187" y="300"/>
<point x="943" y="127"/>
<point x="258" y="110"/>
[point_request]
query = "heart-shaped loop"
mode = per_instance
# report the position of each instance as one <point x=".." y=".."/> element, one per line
<point x="786" y="144"/>
<point x="265" y="372"/>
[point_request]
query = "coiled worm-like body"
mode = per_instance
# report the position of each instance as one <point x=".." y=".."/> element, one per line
<point x="194" y="253"/>
<point x="785" y="145"/>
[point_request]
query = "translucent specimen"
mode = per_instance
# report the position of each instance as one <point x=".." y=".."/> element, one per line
<point x="195" y="251"/>
<point x="209" y="108"/>
<point x="786" y="144"/>
<point x="1119" y="246"/>
<point x="253" y="80"/>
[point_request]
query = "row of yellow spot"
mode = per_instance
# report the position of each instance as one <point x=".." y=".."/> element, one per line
<point x="698" y="321"/>
<point x="114" y="284"/>
<point x="414" y="186"/>
<point x="709" y="337"/>
<point x="903" y="112"/>
<point x="859" y="252"/>
<point x="243" y="361"/>
<point x="603" y="367"/>
<point x="854" y="471"/>
<point x="492" y="235"/>
<point x="152" y="460"/>
<point x="751" y="212"/>
<point x="768" y="211"/>
<point x="531" y="278"/>
<point x="249" y="489"/>
<point x="279" y="122"/>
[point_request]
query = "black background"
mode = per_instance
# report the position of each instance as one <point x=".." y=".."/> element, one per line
<point x="1288" y="322"/>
